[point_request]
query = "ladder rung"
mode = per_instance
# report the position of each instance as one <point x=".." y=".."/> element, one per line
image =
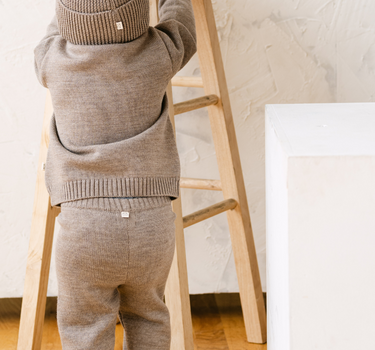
<point x="195" y="103"/>
<point x="187" y="81"/>
<point x="202" y="184"/>
<point x="208" y="212"/>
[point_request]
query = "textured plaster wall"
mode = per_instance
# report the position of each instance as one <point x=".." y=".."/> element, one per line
<point x="274" y="51"/>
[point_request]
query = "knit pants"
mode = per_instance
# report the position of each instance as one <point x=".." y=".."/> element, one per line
<point x="113" y="257"/>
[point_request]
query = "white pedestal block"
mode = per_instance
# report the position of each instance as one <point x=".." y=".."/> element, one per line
<point x="320" y="192"/>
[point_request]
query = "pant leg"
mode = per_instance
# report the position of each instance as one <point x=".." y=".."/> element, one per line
<point x="106" y="262"/>
<point x="143" y="313"/>
<point x="91" y="252"/>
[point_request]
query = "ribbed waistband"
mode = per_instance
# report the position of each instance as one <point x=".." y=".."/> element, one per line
<point x="110" y="188"/>
<point x="118" y="204"/>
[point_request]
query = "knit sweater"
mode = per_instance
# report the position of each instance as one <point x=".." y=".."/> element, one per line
<point x="110" y="132"/>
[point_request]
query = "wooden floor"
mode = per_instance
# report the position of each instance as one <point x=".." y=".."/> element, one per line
<point x="217" y="323"/>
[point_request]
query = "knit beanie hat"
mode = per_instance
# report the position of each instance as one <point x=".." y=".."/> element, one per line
<point x="98" y="22"/>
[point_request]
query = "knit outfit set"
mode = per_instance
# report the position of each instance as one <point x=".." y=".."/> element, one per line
<point x="112" y="165"/>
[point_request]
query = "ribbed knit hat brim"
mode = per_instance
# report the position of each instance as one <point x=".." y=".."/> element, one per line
<point x="99" y="22"/>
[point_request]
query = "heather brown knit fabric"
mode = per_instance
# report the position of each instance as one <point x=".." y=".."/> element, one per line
<point x="95" y="21"/>
<point x="110" y="133"/>
<point x="113" y="257"/>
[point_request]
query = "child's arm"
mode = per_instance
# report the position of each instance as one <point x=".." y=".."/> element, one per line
<point x="41" y="49"/>
<point x="177" y="29"/>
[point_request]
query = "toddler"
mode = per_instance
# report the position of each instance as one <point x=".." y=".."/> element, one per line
<point x="113" y="166"/>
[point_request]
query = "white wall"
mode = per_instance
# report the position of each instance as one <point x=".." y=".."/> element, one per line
<point x="274" y="51"/>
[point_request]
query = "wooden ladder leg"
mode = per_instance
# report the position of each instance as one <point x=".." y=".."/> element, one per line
<point x="177" y="289"/>
<point x="228" y="159"/>
<point x="39" y="254"/>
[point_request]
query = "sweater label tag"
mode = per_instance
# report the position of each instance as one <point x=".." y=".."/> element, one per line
<point x="124" y="214"/>
<point x="119" y="25"/>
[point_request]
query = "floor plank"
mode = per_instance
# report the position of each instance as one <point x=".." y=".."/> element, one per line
<point x="207" y="325"/>
<point x="217" y="323"/>
<point x="232" y="320"/>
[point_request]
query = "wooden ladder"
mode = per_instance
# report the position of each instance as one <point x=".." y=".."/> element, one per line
<point x="231" y="183"/>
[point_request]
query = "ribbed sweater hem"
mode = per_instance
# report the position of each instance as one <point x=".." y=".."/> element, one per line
<point x="118" y="204"/>
<point x="114" y="187"/>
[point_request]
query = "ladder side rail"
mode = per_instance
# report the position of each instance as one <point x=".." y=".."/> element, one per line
<point x="39" y="253"/>
<point x="177" y="289"/>
<point x="230" y="169"/>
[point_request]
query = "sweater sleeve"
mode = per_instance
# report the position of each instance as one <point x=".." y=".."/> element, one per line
<point x="177" y="29"/>
<point x="42" y="48"/>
